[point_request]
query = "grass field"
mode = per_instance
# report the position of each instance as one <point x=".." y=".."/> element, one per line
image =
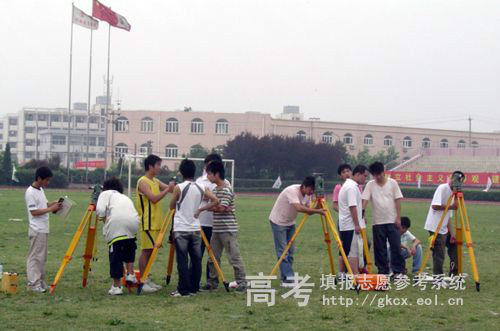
<point x="75" y="308"/>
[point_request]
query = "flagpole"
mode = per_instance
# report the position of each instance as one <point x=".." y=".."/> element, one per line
<point x="107" y="107"/>
<point x="88" y="112"/>
<point x="69" y="97"/>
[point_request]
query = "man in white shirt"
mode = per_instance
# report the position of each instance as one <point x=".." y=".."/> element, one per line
<point x="351" y="218"/>
<point x="292" y="200"/>
<point x="121" y="223"/>
<point x="385" y="196"/>
<point x="38" y="214"/>
<point x="445" y="237"/>
<point x="186" y="200"/>
<point x="206" y="217"/>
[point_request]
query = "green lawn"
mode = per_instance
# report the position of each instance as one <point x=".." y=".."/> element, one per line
<point x="75" y="308"/>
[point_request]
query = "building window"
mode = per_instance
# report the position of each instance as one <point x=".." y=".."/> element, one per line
<point x="1" y="125"/>
<point x="172" y="125"/>
<point x="29" y="129"/>
<point x="474" y="144"/>
<point x="407" y="142"/>
<point x="147" y="124"/>
<point x="92" y="141"/>
<point x="12" y="121"/>
<point x="327" y="138"/>
<point x="221" y="126"/>
<point x="95" y="119"/>
<point x="29" y="142"/>
<point x="55" y="118"/>
<point x="426" y="143"/>
<point x="368" y="140"/>
<point x="120" y="150"/>
<point x="121" y="124"/>
<point x="13" y="144"/>
<point x="42" y="117"/>
<point x="197" y="126"/>
<point x="443" y="143"/>
<point x="145" y="148"/>
<point x="1" y="136"/>
<point x="461" y="144"/>
<point x="12" y="133"/>
<point x="171" y="150"/>
<point x="301" y="134"/>
<point x="101" y="141"/>
<point x="387" y="141"/>
<point x="59" y="140"/>
<point x="30" y="117"/>
<point x="348" y="139"/>
<point x="28" y="155"/>
<point x="79" y="119"/>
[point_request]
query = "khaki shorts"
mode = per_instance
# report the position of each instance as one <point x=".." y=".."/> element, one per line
<point x="148" y="238"/>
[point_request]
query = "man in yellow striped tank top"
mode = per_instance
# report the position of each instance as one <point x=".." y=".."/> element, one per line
<point x="150" y="192"/>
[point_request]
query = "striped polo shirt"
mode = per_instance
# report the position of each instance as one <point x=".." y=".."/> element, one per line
<point x="225" y="221"/>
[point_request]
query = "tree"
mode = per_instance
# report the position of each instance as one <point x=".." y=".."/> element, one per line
<point x="289" y="157"/>
<point x="387" y="157"/>
<point x="6" y="176"/>
<point x="198" y="151"/>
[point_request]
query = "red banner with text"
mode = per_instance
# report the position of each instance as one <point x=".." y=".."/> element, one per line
<point x="436" y="178"/>
<point x="91" y="164"/>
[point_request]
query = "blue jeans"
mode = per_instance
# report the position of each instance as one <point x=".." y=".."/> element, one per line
<point x="417" y="258"/>
<point x="282" y="235"/>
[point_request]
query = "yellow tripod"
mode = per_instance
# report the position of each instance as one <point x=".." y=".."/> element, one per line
<point x="90" y="223"/>
<point x="462" y="227"/>
<point x="158" y="243"/>
<point x="328" y="225"/>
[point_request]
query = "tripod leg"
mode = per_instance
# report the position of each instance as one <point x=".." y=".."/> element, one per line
<point x="367" y="251"/>
<point x="158" y="243"/>
<point x="328" y="242"/>
<point x="89" y="249"/>
<point x="69" y="252"/>
<point x="289" y="245"/>
<point x="459" y="240"/>
<point x="336" y="236"/>
<point x="434" y="236"/>
<point x="468" y="241"/>
<point x="211" y="254"/>
<point x="170" y="265"/>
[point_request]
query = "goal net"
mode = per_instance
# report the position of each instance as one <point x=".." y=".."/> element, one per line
<point x="173" y="165"/>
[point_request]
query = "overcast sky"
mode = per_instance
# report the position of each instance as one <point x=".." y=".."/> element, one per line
<point x="427" y="63"/>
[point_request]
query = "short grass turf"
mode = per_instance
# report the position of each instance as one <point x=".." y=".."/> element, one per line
<point x="75" y="308"/>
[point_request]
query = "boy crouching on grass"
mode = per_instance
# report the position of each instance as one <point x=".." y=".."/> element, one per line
<point x="38" y="214"/>
<point x="121" y="222"/>
<point x="225" y="229"/>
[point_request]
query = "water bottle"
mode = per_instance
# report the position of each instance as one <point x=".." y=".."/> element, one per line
<point x="1" y="271"/>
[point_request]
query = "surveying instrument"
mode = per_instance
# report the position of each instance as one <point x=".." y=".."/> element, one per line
<point x="329" y="229"/>
<point x="462" y="228"/>
<point x="90" y="223"/>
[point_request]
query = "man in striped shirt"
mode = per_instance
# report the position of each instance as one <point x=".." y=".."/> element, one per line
<point x="225" y="228"/>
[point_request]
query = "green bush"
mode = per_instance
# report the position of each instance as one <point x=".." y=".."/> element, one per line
<point x="27" y="176"/>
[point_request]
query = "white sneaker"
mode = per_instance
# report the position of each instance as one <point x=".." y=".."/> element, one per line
<point x="287" y="285"/>
<point x="233" y="284"/>
<point x="131" y="279"/>
<point x="38" y="289"/>
<point x="146" y="288"/>
<point x="153" y="285"/>
<point x="115" y="290"/>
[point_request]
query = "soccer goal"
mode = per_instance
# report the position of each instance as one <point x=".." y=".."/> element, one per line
<point x="173" y="164"/>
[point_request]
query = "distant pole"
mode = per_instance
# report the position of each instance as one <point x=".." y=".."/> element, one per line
<point x="107" y="108"/>
<point x="69" y="97"/>
<point x="88" y="113"/>
<point x="470" y="131"/>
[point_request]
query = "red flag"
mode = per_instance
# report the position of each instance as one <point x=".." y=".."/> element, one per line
<point x="106" y="14"/>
